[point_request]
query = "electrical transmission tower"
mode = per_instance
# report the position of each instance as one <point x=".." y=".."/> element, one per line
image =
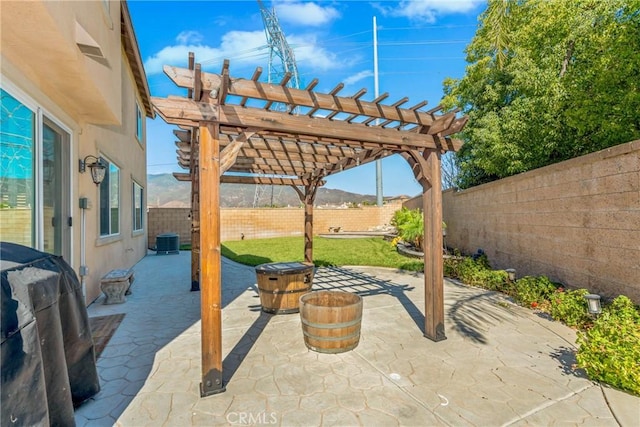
<point x="281" y="57"/>
<point x="282" y="63"/>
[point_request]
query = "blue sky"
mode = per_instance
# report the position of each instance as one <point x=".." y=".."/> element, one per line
<point x="420" y="43"/>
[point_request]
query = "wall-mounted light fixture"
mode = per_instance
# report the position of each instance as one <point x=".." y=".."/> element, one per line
<point x="593" y="301"/>
<point x="98" y="169"/>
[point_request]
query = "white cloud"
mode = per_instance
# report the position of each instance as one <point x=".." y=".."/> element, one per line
<point x="309" y="55"/>
<point x="355" y="78"/>
<point x="303" y="13"/>
<point x="187" y="37"/>
<point x="428" y="10"/>
<point x="237" y="46"/>
<point x="241" y="47"/>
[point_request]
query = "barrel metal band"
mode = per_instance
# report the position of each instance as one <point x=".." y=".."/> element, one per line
<point x="331" y="325"/>
<point x="333" y="350"/>
<point x="344" y="337"/>
<point x="276" y="292"/>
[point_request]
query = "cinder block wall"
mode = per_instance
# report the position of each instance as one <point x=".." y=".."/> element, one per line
<point x="15" y="225"/>
<point x="169" y="220"/>
<point x="577" y="222"/>
<point x="260" y="223"/>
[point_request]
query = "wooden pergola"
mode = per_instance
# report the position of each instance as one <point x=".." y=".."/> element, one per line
<point x="235" y="130"/>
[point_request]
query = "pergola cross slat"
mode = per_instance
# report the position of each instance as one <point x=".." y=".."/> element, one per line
<point x="230" y="134"/>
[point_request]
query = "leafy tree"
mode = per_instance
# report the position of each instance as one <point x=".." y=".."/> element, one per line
<point x="547" y="80"/>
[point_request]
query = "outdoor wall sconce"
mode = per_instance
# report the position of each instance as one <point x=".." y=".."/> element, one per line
<point x="98" y="169"/>
<point x="593" y="301"/>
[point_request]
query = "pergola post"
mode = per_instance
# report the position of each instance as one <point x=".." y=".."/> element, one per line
<point x="210" y="258"/>
<point x="433" y="263"/>
<point x="426" y="168"/>
<point x="195" y="213"/>
<point x="308" y="198"/>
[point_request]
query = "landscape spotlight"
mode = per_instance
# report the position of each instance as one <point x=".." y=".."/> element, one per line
<point x="593" y="301"/>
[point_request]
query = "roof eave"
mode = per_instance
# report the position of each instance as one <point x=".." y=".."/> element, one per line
<point x="135" y="61"/>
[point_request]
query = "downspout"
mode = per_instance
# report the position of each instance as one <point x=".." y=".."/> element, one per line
<point x="84" y="270"/>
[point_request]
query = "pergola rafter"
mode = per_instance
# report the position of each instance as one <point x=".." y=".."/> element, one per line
<point x="230" y="134"/>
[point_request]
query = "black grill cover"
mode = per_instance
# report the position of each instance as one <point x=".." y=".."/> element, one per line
<point x="48" y="359"/>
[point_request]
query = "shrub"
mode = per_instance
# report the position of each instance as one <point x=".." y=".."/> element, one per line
<point x="410" y="226"/>
<point x="450" y="266"/>
<point x="481" y="259"/>
<point x="400" y="216"/>
<point x="475" y="273"/>
<point x="610" y="350"/>
<point x="531" y="291"/>
<point x="412" y="231"/>
<point x="570" y="307"/>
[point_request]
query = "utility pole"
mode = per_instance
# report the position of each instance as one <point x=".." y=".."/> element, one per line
<point x="376" y="94"/>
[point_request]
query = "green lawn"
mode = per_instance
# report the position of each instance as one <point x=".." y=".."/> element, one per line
<point x="372" y="251"/>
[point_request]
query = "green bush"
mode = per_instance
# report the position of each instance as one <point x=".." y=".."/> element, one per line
<point x="570" y="307"/>
<point x="531" y="291"/>
<point x="610" y="350"/>
<point x="410" y="226"/>
<point x="400" y="216"/>
<point x="475" y="273"/>
<point x="450" y="267"/>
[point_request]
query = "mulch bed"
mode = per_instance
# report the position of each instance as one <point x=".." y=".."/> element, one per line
<point x="102" y="329"/>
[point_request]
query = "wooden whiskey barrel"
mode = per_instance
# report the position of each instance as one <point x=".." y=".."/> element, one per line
<point x="331" y="321"/>
<point x="281" y="284"/>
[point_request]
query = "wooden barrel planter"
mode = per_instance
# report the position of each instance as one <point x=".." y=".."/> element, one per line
<point x="331" y="321"/>
<point x="281" y="284"/>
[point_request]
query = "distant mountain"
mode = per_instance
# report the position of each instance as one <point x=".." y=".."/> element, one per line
<point x="166" y="191"/>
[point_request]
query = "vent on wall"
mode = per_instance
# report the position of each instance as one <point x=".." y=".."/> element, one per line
<point x="88" y="46"/>
<point x="168" y="243"/>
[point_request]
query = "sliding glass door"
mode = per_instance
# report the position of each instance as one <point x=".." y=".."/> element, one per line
<point x="34" y="178"/>
<point x="55" y="194"/>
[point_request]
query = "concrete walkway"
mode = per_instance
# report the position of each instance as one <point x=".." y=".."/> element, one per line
<point x="501" y="364"/>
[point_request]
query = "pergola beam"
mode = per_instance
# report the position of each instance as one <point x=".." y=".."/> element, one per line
<point x="280" y="143"/>
<point x="307" y="98"/>
<point x="181" y="176"/>
<point x="229" y="155"/>
<point x="263" y="180"/>
<point x="258" y="180"/>
<point x="263" y="169"/>
<point x="284" y="155"/>
<point x="183" y="110"/>
<point x="183" y="135"/>
<point x="277" y="93"/>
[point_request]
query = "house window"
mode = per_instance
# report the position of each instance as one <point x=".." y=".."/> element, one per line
<point x="138" y="123"/>
<point x="110" y="200"/>
<point x="138" y="210"/>
<point x="17" y="174"/>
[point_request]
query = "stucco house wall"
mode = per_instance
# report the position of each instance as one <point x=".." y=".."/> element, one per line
<point x="76" y="63"/>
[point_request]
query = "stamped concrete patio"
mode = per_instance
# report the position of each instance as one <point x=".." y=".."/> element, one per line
<point x="501" y="364"/>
